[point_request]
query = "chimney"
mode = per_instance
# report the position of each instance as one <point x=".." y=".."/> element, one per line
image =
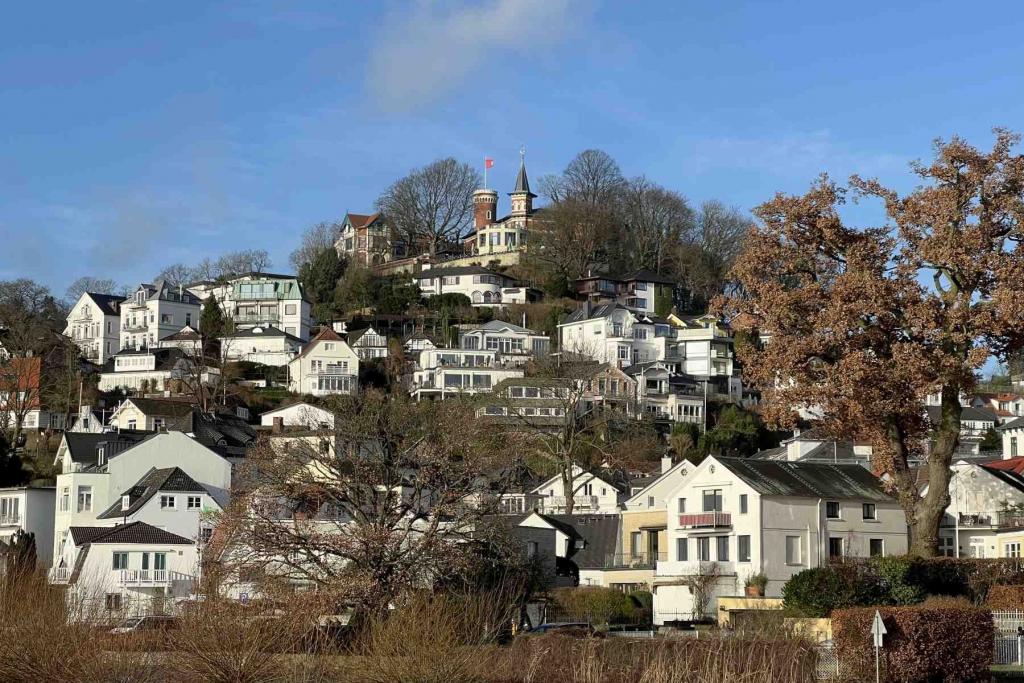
<point x="666" y="464"/>
<point x="278" y="426"/>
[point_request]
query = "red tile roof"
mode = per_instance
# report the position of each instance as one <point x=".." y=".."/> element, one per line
<point x="361" y="220"/>
<point x="1008" y="464"/>
<point x="326" y="334"/>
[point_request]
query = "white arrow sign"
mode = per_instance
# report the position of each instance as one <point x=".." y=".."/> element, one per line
<point x="878" y="629"/>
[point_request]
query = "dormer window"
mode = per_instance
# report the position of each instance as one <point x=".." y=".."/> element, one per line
<point x="126" y="502"/>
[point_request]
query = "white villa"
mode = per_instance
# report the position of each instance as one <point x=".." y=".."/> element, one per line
<point x="508" y="339"/>
<point x="593" y="493"/>
<point x="368" y="343"/>
<point x="483" y="287"/>
<point x="737" y="517"/>
<point x="155" y="311"/>
<point x="261" y="299"/>
<point x="326" y="365"/>
<point x="94" y="325"/>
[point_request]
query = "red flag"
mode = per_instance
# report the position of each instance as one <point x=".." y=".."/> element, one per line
<point x="488" y="163"/>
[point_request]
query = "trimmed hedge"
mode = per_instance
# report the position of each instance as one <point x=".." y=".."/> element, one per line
<point x="1005" y="597"/>
<point x="953" y="645"/>
<point x="896" y="581"/>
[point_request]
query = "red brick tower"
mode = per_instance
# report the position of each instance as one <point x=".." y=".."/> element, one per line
<point x="485" y="208"/>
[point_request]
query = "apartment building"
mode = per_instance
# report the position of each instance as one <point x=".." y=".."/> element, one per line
<point x="261" y="299"/>
<point x="732" y="518"/>
<point x="94" y="323"/>
<point x="264" y="344"/>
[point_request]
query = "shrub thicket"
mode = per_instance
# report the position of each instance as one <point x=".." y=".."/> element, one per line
<point x="896" y="581"/>
<point x="921" y="644"/>
<point x="1005" y="597"/>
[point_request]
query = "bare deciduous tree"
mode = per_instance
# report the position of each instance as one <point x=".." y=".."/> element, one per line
<point x="314" y="240"/>
<point x="592" y="177"/>
<point x="87" y="283"/>
<point x="654" y="221"/>
<point x="432" y="205"/>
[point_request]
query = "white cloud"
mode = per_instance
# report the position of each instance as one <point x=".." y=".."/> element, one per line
<point x="427" y="51"/>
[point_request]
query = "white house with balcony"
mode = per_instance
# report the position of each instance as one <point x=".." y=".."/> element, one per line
<point x="614" y="334"/>
<point x="99" y="470"/>
<point x="510" y="340"/>
<point x="28" y="509"/>
<point x="985" y="501"/>
<point x="443" y="372"/>
<point x="127" y="570"/>
<point x="326" y="365"/>
<point x="156" y="311"/>
<point x="368" y="343"/>
<point x="267" y="345"/>
<point x="663" y="394"/>
<point x="94" y="325"/>
<point x="261" y="299"/>
<point x="592" y="493"/>
<point x="483" y="287"/>
<point x="733" y="518"/>
<point x="152" y="369"/>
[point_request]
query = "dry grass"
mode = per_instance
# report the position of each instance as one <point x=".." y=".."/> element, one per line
<point x="440" y="638"/>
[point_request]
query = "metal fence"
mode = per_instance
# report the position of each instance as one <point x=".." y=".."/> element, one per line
<point x="1008" y="621"/>
<point x="827" y="664"/>
<point x="1009" y="650"/>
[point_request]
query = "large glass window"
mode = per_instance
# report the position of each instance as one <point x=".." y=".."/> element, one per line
<point x="743" y="548"/>
<point x="722" y="548"/>
<point x="85" y="499"/>
<point x="712" y="500"/>
<point x="704" y="549"/>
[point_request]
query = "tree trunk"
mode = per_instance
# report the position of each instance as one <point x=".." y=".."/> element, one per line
<point x="930" y="508"/>
<point x="567" y="489"/>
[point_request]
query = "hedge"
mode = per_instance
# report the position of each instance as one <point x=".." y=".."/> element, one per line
<point x="953" y="645"/>
<point x="1005" y="597"/>
<point x="896" y="581"/>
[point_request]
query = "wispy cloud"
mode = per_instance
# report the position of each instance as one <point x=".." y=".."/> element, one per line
<point x="428" y="51"/>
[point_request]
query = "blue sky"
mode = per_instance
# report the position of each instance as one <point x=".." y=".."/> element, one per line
<point x="139" y="134"/>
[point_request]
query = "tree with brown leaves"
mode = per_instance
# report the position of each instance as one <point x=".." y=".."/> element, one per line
<point x="865" y="323"/>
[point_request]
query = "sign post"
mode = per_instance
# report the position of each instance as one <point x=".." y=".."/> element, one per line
<point x="877" y="631"/>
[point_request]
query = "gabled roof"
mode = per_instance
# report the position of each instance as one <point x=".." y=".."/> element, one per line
<point x="449" y="271"/>
<point x="645" y="275"/>
<point x="155" y="481"/>
<point x="187" y="333"/>
<point x="326" y="334"/>
<point x="356" y="335"/>
<point x="599" y="311"/>
<point x="107" y="303"/>
<point x="807" y="480"/>
<point x="133" y="532"/>
<point x="361" y="220"/>
<point x="967" y="413"/>
<point x="1017" y="423"/>
<point x="600" y="534"/>
<point x="224" y="433"/>
<point x="1010" y="464"/>
<point x="159" y="406"/>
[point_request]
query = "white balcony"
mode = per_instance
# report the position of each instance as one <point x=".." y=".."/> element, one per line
<point x="60" y="575"/>
<point x="579" y="503"/>
<point x="146" y="578"/>
<point x="673" y="568"/>
<point x="10" y="520"/>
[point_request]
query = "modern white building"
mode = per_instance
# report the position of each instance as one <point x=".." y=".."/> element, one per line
<point x="261" y="299"/>
<point x="442" y="372"/>
<point x="326" y="365"/>
<point x="612" y="333"/>
<point x="734" y="518"/>
<point x="267" y="345"/>
<point x="152" y="369"/>
<point x="155" y="311"/>
<point x="508" y="339"/>
<point x="483" y="287"/>
<point x="94" y="325"/>
<point x="28" y="509"/>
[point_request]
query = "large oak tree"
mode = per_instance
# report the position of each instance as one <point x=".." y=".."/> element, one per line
<point x="864" y="323"/>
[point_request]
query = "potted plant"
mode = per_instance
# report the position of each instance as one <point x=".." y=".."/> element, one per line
<point x="755" y="585"/>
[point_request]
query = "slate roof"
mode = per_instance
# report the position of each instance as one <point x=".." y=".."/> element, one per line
<point x="133" y="532"/>
<point x="522" y="182"/>
<point x="1013" y="424"/>
<point x="83" y="446"/>
<point x="262" y="331"/>
<point x="645" y="275"/>
<point x="224" y="433"/>
<point x="967" y="413"/>
<point x="151" y="483"/>
<point x="807" y="479"/>
<point x="187" y="333"/>
<point x="434" y="273"/>
<point x="158" y="406"/>
<point x="600" y="534"/>
<point x="108" y="303"/>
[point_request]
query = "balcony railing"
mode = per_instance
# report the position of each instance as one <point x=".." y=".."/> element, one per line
<point x="151" y="577"/>
<point x="706" y="520"/>
<point x="268" y="317"/>
<point x="10" y="520"/>
<point x="639" y="560"/>
<point x="60" y="575"/>
<point x="135" y="327"/>
<point x="332" y="370"/>
<point x="578" y="502"/>
<point x="1002" y="520"/>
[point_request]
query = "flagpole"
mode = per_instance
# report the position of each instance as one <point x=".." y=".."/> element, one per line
<point x="485" y="173"/>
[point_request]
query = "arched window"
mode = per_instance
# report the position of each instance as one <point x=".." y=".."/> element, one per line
<point x="487" y="297"/>
<point x="497" y="298"/>
<point x="477" y="297"/>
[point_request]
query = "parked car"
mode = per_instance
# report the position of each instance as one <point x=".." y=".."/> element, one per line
<point x="142" y="624"/>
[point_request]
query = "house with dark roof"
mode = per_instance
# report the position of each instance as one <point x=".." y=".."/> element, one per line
<point x="258" y="299"/>
<point x="150" y="370"/>
<point x="1012" y="433"/>
<point x="735" y="518"/>
<point x="152" y="415"/>
<point x="99" y="470"/>
<point x="169" y="499"/>
<point x="975" y="423"/>
<point x="367" y="342"/>
<point x="124" y="570"/>
<point x="154" y="311"/>
<point x="264" y="344"/>
<point x="593" y="492"/>
<point x="93" y="323"/>
<point x="641" y="290"/>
